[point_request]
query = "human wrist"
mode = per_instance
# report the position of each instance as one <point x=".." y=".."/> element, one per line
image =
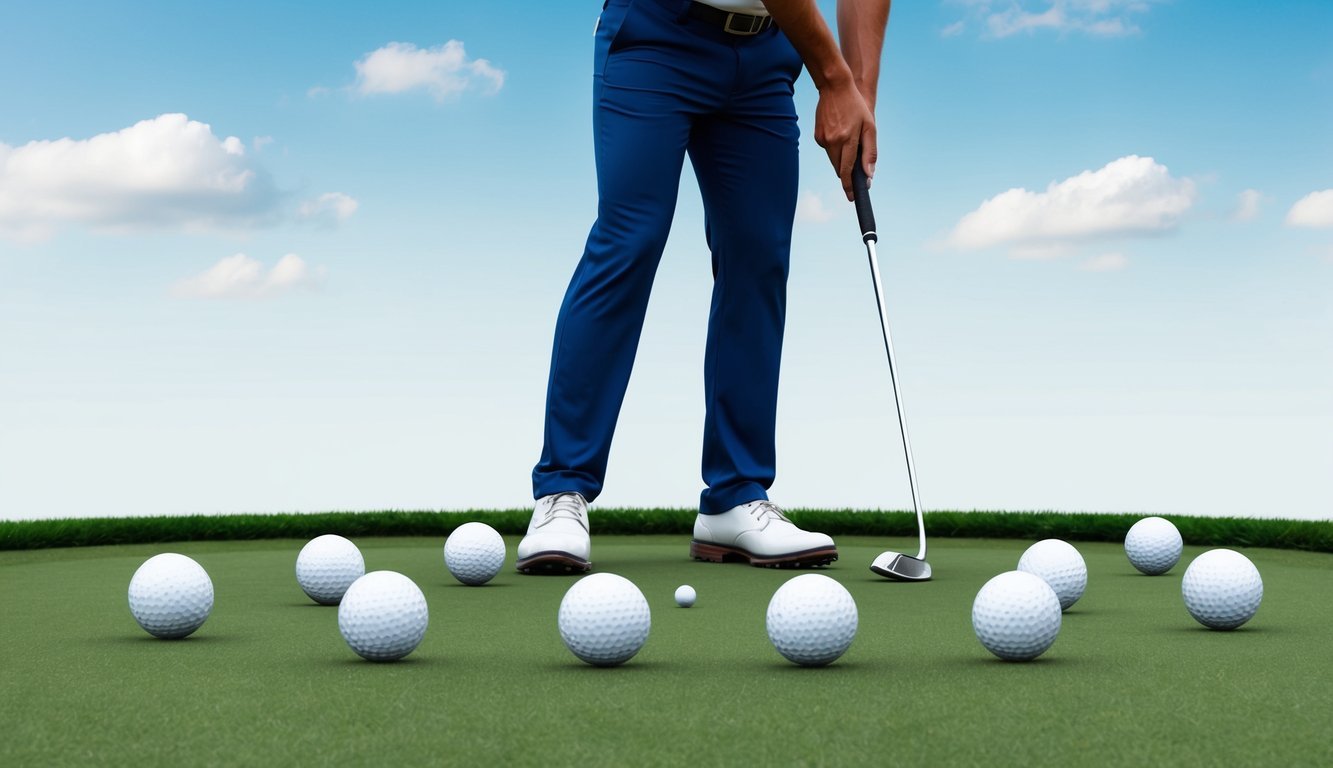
<point x="835" y="77"/>
<point x="867" y="91"/>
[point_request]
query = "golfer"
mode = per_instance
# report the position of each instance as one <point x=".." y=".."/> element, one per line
<point x="712" y="80"/>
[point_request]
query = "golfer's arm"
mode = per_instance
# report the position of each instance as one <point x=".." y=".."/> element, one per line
<point x="802" y="23"/>
<point x="861" y="26"/>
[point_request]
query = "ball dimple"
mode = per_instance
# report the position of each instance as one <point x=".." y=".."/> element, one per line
<point x="170" y="596"/>
<point x="383" y="616"/>
<point x="604" y="619"/>
<point x="1222" y="589"/>
<point x="474" y="553"/>
<point x="1016" y="616"/>
<point x="1060" y="565"/>
<point x="811" y="620"/>
<point x="326" y="566"/>
<point x="1153" y="545"/>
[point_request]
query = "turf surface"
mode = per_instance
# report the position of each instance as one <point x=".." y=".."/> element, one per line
<point x="1132" y="679"/>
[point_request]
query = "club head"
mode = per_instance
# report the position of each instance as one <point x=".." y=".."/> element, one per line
<point x="895" y="565"/>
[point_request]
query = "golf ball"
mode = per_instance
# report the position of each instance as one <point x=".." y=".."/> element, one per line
<point x="1222" y="589"/>
<point x="1153" y="545"/>
<point x="474" y="553"/>
<point x="1016" y="616"/>
<point x="383" y="616"/>
<point x="812" y="620"/>
<point x="327" y="566"/>
<point x="1060" y="566"/>
<point x="170" y="595"/>
<point x="604" y="619"/>
<point x="685" y="596"/>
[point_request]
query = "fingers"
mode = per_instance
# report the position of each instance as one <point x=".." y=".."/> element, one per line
<point x="844" y="164"/>
<point x="870" y="152"/>
<point x="834" y="153"/>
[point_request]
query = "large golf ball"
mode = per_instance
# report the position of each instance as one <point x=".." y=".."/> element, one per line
<point x="170" y="595"/>
<point x="383" y="616"/>
<point x="327" y="566"/>
<point x="604" y="619"/>
<point x="1222" y="589"/>
<point x="1153" y="545"/>
<point x="1016" y="616"/>
<point x="1060" y="566"/>
<point x="474" y="553"/>
<point x="812" y="620"/>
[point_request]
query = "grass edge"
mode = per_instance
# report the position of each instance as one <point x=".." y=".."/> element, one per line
<point x="1278" y="533"/>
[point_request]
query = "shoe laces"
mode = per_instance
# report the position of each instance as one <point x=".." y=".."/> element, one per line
<point x="568" y="504"/>
<point x="765" y="511"/>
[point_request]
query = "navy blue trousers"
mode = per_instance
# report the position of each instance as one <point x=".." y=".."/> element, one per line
<point x="666" y="85"/>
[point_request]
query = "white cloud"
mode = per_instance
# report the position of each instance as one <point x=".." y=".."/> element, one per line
<point x="1132" y="195"/>
<point x="1014" y="19"/>
<point x="241" y="277"/>
<point x="1314" y="210"/>
<point x="169" y="172"/>
<point x="445" y="71"/>
<point x="291" y="271"/>
<point x="810" y="207"/>
<point x="1005" y="18"/>
<point x="329" y="209"/>
<point x="1247" y="205"/>
<point x="1105" y="262"/>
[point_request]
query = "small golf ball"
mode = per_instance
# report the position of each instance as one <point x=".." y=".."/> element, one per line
<point x="1060" y="566"/>
<point x="327" y="566"/>
<point x="474" y="553"/>
<point x="383" y="616"/>
<point x="604" y="619"/>
<point x="1153" y="545"/>
<point x="811" y="620"/>
<point x="685" y="596"/>
<point x="171" y="595"/>
<point x="1222" y="589"/>
<point x="1016" y="616"/>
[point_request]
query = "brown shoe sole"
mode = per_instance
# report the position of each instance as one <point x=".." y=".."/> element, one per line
<point x="552" y="564"/>
<point x="717" y="553"/>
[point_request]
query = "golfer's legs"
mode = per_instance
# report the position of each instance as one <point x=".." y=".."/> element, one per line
<point x="640" y="133"/>
<point x="746" y="163"/>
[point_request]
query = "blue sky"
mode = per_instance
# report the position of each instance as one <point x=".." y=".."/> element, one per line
<point x="1108" y="263"/>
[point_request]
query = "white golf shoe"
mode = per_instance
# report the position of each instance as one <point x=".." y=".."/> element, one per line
<point x="557" y="540"/>
<point x="760" y="534"/>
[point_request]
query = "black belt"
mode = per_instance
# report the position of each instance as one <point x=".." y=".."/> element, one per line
<point x="731" y="23"/>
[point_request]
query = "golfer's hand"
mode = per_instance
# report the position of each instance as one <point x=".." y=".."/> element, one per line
<point x="844" y="122"/>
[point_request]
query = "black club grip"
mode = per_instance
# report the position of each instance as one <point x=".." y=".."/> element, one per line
<point x="865" y="214"/>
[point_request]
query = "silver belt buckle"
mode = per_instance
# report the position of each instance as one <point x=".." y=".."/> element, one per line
<point x="755" y="27"/>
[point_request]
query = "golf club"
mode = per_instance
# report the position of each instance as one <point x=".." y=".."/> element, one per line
<point x="893" y="565"/>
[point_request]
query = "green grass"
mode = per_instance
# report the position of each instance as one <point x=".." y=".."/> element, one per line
<point x="1311" y="535"/>
<point x="1132" y="680"/>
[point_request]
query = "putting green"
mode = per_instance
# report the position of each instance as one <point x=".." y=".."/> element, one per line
<point x="1132" y="679"/>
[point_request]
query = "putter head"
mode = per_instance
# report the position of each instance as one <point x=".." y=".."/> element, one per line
<point x="895" y="565"/>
